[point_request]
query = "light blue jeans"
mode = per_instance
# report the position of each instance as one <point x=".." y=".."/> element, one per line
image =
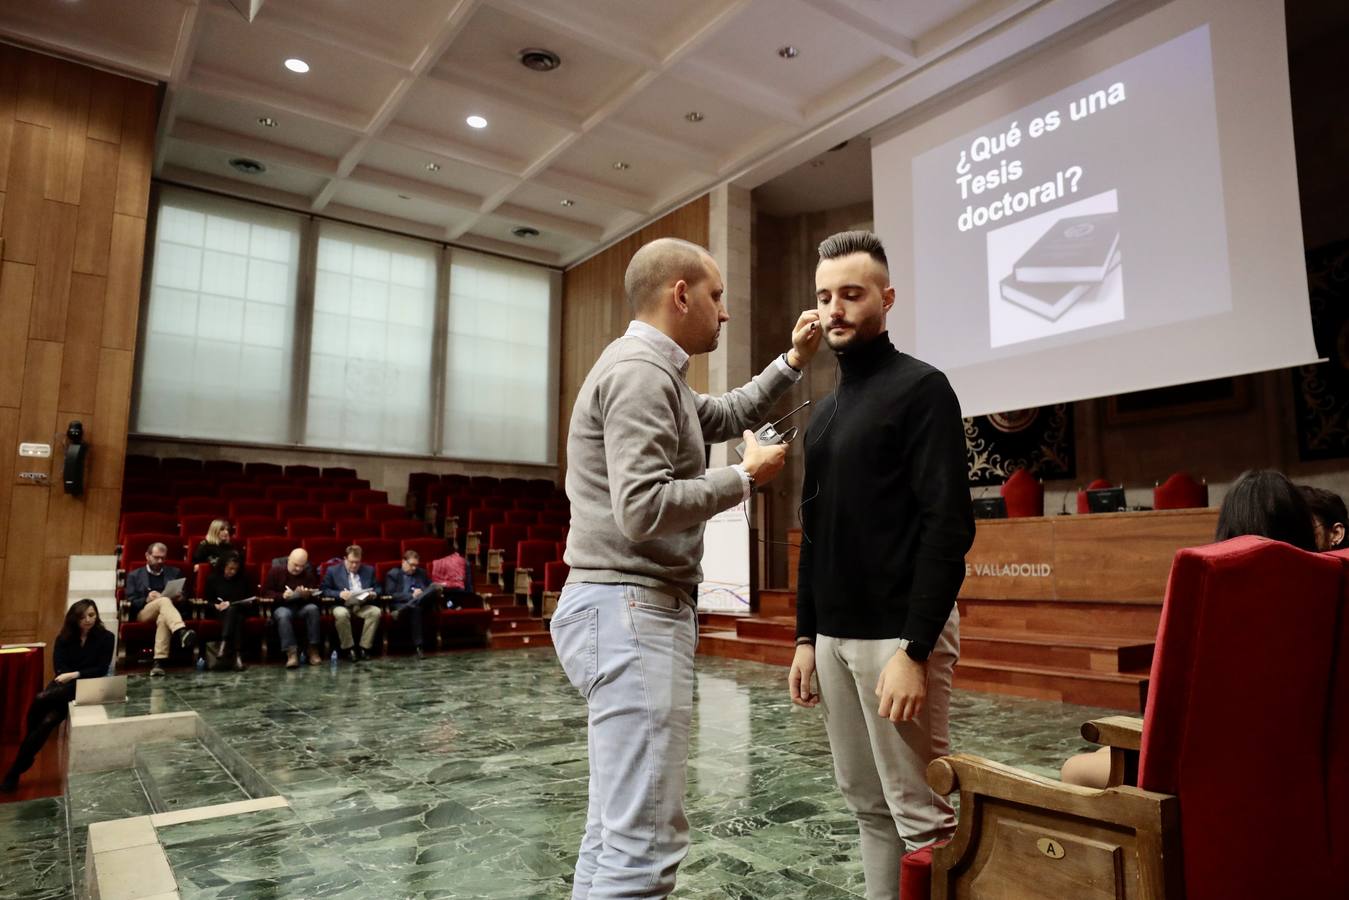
<point x="629" y="651"/>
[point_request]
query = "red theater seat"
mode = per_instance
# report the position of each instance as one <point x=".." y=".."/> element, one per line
<point x="554" y="533"/>
<point x="1226" y="747"/>
<point x="204" y="506"/>
<point x="286" y="492"/>
<point x="522" y="517"/>
<point x="378" y="550"/>
<point x="322" y="549"/>
<point x="254" y="469"/>
<point x="356" y="530"/>
<point x="298" y="529"/>
<point x="303" y="472"/>
<point x="134" y="547"/>
<point x="368" y="497"/>
<point x="338" y="472"/>
<point x="143" y="523"/>
<point x="257" y="526"/>
<point x="1180" y="491"/>
<point x="428" y="548"/>
<point x="223" y="468"/>
<point x="298" y="509"/>
<point x="264" y="508"/>
<point x="343" y="510"/>
<point x="402" y="528"/>
<point x="1083" y="506"/>
<point x="193" y="525"/>
<point x="326" y="495"/>
<point x="383" y="512"/>
<point x="1024" y="494"/>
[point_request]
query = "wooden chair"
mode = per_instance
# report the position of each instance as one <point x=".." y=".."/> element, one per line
<point x="1244" y="739"/>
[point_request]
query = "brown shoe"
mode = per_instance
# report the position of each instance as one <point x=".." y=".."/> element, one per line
<point x="292" y="658"/>
<point x="314" y="658"/>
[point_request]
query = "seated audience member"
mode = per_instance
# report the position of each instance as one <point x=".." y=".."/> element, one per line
<point x="143" y="589"/>
<point x="294" y="588"/>
<point x="83" y="649"/>
<point x="216" y="546"/>
<point x="1261" y="502"/>
<point x="352" y="587"/>
<point x="1329" y="516"/>
<point x="410" y="587"/>
<point x="229" y="597"/>
<point x="454" y="576"/>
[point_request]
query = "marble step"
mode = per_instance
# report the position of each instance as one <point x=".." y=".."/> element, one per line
<point x="1091" y="653"/>
<point x="183" y="775"/>
<point x="1123" y="691"/>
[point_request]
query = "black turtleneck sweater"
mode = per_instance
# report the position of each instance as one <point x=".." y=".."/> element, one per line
<point x="887" y="516"/>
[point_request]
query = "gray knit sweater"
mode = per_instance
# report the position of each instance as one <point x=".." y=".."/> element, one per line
<point x="636" y="466"/>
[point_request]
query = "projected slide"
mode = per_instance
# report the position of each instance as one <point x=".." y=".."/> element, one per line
<point x="1084" y="214"/>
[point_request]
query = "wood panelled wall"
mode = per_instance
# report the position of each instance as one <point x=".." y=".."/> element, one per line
<point x="594" y="311"/>
<point x="76" y="149"/>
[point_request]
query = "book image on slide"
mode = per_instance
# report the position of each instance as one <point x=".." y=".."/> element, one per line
<point x="1057" y="272"/>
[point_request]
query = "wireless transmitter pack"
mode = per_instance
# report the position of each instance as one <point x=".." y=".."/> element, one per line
<point x="772" y="434"/>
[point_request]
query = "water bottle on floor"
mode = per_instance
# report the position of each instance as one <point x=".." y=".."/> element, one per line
<point x="332" y="661"/>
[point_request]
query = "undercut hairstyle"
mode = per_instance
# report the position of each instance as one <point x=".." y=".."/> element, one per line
<point x="660" y="263"/>
<point x="1326" y="506"/>
<point x="353" y="550"/>
<point x="846" y="243"/>
<point x="1265" y="503"/>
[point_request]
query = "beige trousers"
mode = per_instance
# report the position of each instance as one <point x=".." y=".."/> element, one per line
<point x="342" y="621"/>
<point x="880" y="766"/>
<point x="169" y="621"/>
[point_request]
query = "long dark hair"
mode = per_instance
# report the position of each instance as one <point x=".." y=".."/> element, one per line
<point x="1265" y="503"/>
<point x="70" y="629"/>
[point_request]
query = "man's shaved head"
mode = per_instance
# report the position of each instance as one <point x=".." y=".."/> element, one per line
<point x="658" y="265"/>
<point x="299" y="557"/>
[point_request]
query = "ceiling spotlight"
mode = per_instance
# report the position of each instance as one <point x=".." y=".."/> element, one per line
<point x="476" y="122"/>
<point x="247" y="166"/>
<point x="433" y="167"/>
<point x="538" y="60"/>
<point x="297" y="65"/>
<point x="266" y="121"/>
<point x="524" y="231"/>
<point x="621" y="166"/>
<point x="694" y="116"/>
<point x="788" y="52"/>
<point x="568" y="202"/>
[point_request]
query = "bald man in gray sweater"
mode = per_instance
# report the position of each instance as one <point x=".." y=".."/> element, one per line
<point x="625" y="627"/>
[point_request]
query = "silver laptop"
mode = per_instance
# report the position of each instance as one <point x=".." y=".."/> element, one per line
<point x="96" y="691"/>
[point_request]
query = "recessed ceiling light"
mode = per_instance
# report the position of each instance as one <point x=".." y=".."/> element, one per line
<point x="539" y="60"/>
<point x="788" y="52"/>
<point x="568" y="202"/>
<point x="433" y="167"/>
<point x="247" y="166"/>
<point x="694" y="116"/>
<point x="476" y="122"/>
<point x="266" y="121"/>
<point x="297" y="65"/>
<point x="524" y="231"/>
<point x="620" y="165"/>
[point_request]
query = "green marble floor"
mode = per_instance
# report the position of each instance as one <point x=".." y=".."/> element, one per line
<point x="464" y="775"/>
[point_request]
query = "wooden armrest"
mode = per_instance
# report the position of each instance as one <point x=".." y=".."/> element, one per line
<point x="1122" y="732"/>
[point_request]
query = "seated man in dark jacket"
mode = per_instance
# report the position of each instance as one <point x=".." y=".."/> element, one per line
<point x="352" y="588"/>
<point x="293" y="587"/>
<point x="144" y="588"/>
<point x="411" y="590"/>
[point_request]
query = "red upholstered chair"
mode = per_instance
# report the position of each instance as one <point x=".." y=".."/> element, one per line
<point x="145" y="523"/>
<point x="402" y="528"/>
<point x="298" y="509"/>
<point x="503" y="541"/>
<point x="303" y="472"/>
<point x="1024" y="494"/>
<point x="180" y="465"/>
<point x="479" y="521"/>
<point x="134" y="547"/>
<point x="522" y="516"/>
<point x="498" y="501"/>
<point x="554" y="579"/>
<point x="368" y="497"/>
<point x="149" y="503"/>
<point x="531" y="557"/>
<point x="140" y="464"/>
<point x="348" y="484"/>
<point x="1226" y="748"/>
<point x="356" y="530"/>
<point x="299" y="529"/>
<point x="257" y="526"/>
<point x="556" y="517"/>
<point x="241" y="490"/>
<point x="343" y="510"/>
<point x="194" y="525"/>
<point x="286" y="492"/>
<point x="1083" y="507"/>
<point x="384" y="512"/>
<point x="328" y="495"/>
<point x="456" y="478"/>
<point x="322" y="549"/>
<point x="241" y="508"/>
<point x="223" y="468"/>
<point x="428" y="548"/>
<point x="378" y="550"/>
<point x="218" y="507"/>
<point x="1180" y="491"/>
<point x="419" y="484"/>
<point x="260" y="551"/>
<point x="554" y="533"/>
<point x="337" y="472"/>
<point x="541" y="487"/>
<point x="261" y="468"/>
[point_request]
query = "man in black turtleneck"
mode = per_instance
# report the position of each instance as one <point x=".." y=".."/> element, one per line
<point x="886" y="522"/>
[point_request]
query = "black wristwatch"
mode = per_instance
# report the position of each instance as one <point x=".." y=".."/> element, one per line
<point x="918" y="652"/>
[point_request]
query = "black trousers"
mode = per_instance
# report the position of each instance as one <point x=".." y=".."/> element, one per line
<point x="231" y="624"/>
<point x="46" y="713"/>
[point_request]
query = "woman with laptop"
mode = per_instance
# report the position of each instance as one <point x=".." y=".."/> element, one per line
<point x="83" y="649"/>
